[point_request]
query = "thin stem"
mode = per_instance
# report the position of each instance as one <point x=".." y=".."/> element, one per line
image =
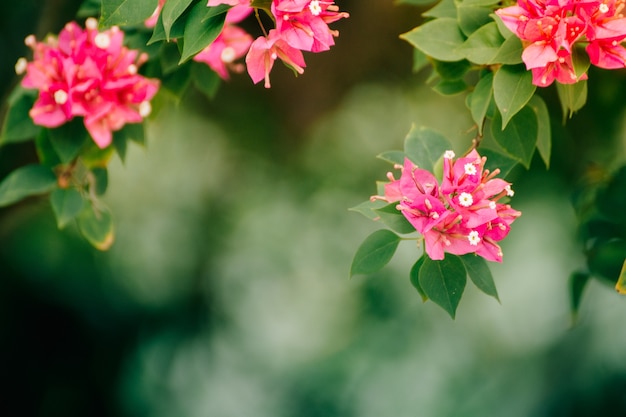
<point x="258" y="18"/>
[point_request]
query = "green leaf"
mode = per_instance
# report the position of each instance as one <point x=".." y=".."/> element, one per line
<point x="177" y="82"/>
<point x="483" y="45"/>
<point x="26" y="181"/>
<point x="126" y="12"/>
<point x="89" y="8"/>
<point x="394" y="219"/>
<point x="450" y="87"/>
<point x="519" y="138"/>
<point x="101" y="180"/>
<point x="205" y="79"/>
<point x="444" y="281"/>
<point x="66" y="203"/>
<point x="176" y="31"/>
<point x="445" y="8"/>
<point x="18" y="125"/>
<point x="437" y="38"/>
<point x="414" y="276"/>
<point x="512" y="89"/>
<point x="367" y="208"/>
<point x="504" y="31"/>
<point x="375" y="252"/>
<point x="480" y="274"/>
<point x="510" y="53"/>
<point x="45" y="152"/>
<point x="572" y="96"/>
<point x="393" y="157"/>
<point x="472" y="17"/>
<point x="497" y="160"/>
<point x="68" y="139"/>
<point x="202" y="27"/>
<point x="172" y="10"/>
<point x="577" y="284"/>
<point x="97" y="226"/>
<point x="415" y="2"/>
<point x="424" y="146"/>
<point x="580" y="61"/>
<point x="420" y="60"/>
<point x="620" y="285"/>
<point x="169" y="56"/>
<point x="544" y="132"/>
<point x="480" y="99"/>
<point x="451" y="71"/>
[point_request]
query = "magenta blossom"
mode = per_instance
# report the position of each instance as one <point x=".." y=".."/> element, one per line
<point x="90" y="74"/>
<point x="462" y="215"/>
<point x="551" y="29"/>
<point x="265" y="50"/>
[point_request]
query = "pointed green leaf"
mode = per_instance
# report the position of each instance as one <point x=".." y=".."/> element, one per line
<point x="205" y="79"/>
<point x="420" y="60"/>
<point x="68" y="139"/>
<point x="512" y="89"/>
<point x="480" y="99"/>
<point x="451" y="70"/>
<point x="394" y="219"/>
<point x="18" y="125"/>
<point x="483" y="45"/>
<point x="497" y="160"/>
<point x="101" y="180"/>
<point x="480" y="274"/>
<point x="504" y="31"/>
<point x="510" y="52"/>
<point x="126" y="12"/>
<point x="393" y="157"/>
<point x="45" y="152"/>
<point x="573" y="97"/>
<point x="176" y="31"/>
<point x="437" y="38"/>
<point x="66" y="203"/>
<point x="519" y="138"/>
<point x="445" y="8"/>
<point x="201" y="29"/>
<point x="172" y="10"/>
<point x="375" y="252"/>
<point x="367" y="208"/>
<point x="424" y="146"/>
<point x="414" y="276"/>
<point x="444" y="281"/>
<point x="472" y="17"/>
<point x="97" y="226"/>
<point x="450" y="87"/>
<point x="544" y="132"/>
<point x="26" y="181"/>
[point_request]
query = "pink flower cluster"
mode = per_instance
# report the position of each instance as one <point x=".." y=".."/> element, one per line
<point x="301" y="25"/>
<point x="551" y="29"/>
<point x="90" y="74"/>
<point x="460" y="216"/>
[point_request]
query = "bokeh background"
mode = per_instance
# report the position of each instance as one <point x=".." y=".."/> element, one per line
<point x="227" y="292"/>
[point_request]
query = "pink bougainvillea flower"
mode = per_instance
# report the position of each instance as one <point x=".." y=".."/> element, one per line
<point x="232" y="44"/>
<point x="90" y="74"/>
<point x="550" y="30"/>
<point x="462" y="215"/>
<point x="265" y="50"/>
<point x="304" y="23"/>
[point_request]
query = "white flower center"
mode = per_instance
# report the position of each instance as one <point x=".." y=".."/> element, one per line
<point x="60" y="97"/>
<point x="470" y="169"/>
<point x="132" y="69"/>
<point x="102" y="40"/>
<point x="228" y="54"/>
<point x="509" y="191"/>
<point x="466" y="199"/>
<point x="604" y="8"/>
<point x="449" y="154"/>
<point x="473" y="238"/>
<point x="145" y="108"/>
<point x="315" y="8"/>
<point x="91" y="23"/>
<point x="20" y="66"/>
<point x="492" y="205"/>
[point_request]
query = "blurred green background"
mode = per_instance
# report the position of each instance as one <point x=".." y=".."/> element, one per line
<point x="227" y="290"/>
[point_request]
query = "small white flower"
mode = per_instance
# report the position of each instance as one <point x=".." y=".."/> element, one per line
<point x="470" y="169"/>
<point x="145" y="108"/>
<point x="466" y="199"/>
<point x="91" y="23"/>
<point x="20" y="66"/>
<point x="102" y="40"/>
<point x="492" y="205"/>
<point x="315" y="8"/>
<point x="449" y="154"/>
<point x="604" y="8"/>
<point x="509" y="191"/>
<point x="474" y="238"/>
<point x="228" y="54"/>
<point x="60" y="97"/>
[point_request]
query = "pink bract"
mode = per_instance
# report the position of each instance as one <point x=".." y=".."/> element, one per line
<point x="90" y="74"/>
<point x="265" y="50"/>
<point x="462" y="215"/>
